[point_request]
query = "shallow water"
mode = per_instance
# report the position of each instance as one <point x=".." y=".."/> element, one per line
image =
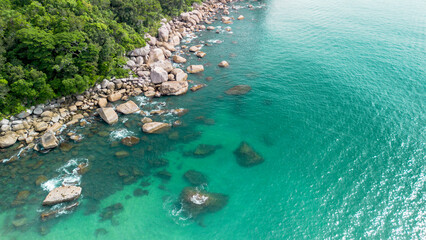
<point x="337" y="110"/>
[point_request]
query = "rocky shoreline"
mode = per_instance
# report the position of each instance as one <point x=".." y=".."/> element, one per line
<point x="151" y="73"/>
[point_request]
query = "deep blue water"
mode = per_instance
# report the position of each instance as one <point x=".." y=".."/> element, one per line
<point x="337" y="110"/>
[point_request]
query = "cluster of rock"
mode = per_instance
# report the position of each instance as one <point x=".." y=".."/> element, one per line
<point x="151" y="73"/>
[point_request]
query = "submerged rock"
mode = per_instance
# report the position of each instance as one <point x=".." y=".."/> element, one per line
<point x="108" y="115"/>
<point x="195" y="178"/>
<point x="62" y="194"/>
<point x="130" y="141"/>
<point x="128" y="107"/>
<point x="197" y="87"/>
<point x="108" y="212"/>
<point x="238" y="90"/>
<point x="195" y="202"/>
<point x="100" y="232"/>
<point x="246" y="156"/>
<point x="164" y="174"/>
<point x="46" y="215"/>
<point x="155" y="127"/>
<point x="203" y="150"/>
<point x="140" y="192"/>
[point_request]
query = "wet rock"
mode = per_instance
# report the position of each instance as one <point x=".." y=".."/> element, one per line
<point x="223" y="64"/>
<point x="238" y="90"/>
<point x="194" y="49"/>
<point x="201" y="54"/>
<point x="40" y="179"/>
<point x="121" y="154"/>
<point x="241" y="17"/>
<point x="174" y="88"/>
<point x="179" y="59"/>
<point x="158" y="75"/>
<point x="50" y="214"/>
<point x="155" y="127"/>
<point x="8" y="140"/>
<point x="127" y="108"/>
<point x="197" y="87"/>
<point x="66" y="147"/>
<point x="246" y="156"/>
<point x="195" y="68"/>
<point x="108" y="115"/>
<point x="204" y="150"/>
<point x="146" y="120"/>
<point x="62" y="194"/>
<point x="164" y="174"/>
<point x="140" y="192"/>
<point x="130" y="141"/>
<point x="195" y="202"/>
<point x="19" y="222"/>
<point x="49" y="141"/>
<point x="210" y="28"/>
<point x="123" y="173"/>
<point x="195" y="178"/>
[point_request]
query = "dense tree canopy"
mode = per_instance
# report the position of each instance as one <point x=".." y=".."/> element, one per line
<point x="50" y="48"/>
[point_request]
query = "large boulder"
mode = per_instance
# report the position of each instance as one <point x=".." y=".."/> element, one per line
<point x="108" y="115"/>
<point x="195" y="68"/>
<point x="181" y="76"/>
<point x="246" y="156"/>
<point x="155" y="55"/>
<point x="179" y="59"/>
<point x="62" y="194"/>
<point x="115" y="97"/>
<point x="40" y="126"/>
<point x="140" y="52"/>
<point x="155" y="127"/>
<point x="195" y="202"/>
<point x="8" y="140"/>
<point x="49" y="140"/>
<point x="163" y="33"/>
<point x="127" y="108"/>
<point x="238" y="90"/>
<point x="174" y="88"/>
<point x="159" y="75"/>
<point x="164" y="64"/>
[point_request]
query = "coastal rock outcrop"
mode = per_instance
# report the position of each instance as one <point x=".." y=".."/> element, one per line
<point x="155" y="127"/>
<point x="238" y="90"/>
<point x="174" y="88"/>
<point x="62" y="194"/>
<point x="127" y="108"/>
<point x="246" y="156"/>
<point x="195" y="202"/>
<point x="108" y="115"/>
<point x="195" y="68"/>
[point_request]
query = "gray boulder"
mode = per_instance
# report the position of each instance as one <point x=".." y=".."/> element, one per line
<point x="158" y="75"/>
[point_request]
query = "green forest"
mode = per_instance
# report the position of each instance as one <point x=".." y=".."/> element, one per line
<point x="52" y="48"/>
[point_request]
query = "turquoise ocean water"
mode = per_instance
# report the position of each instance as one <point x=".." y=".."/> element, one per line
<point x="337" y="110"/>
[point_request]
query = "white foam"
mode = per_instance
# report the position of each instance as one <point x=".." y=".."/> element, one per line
<point x="68" y="175"/>
<point x="199" y="199"/>
<point x="120" y="134"/>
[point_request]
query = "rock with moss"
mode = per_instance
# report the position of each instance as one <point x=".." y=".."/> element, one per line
<point x="246" y="156"/>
